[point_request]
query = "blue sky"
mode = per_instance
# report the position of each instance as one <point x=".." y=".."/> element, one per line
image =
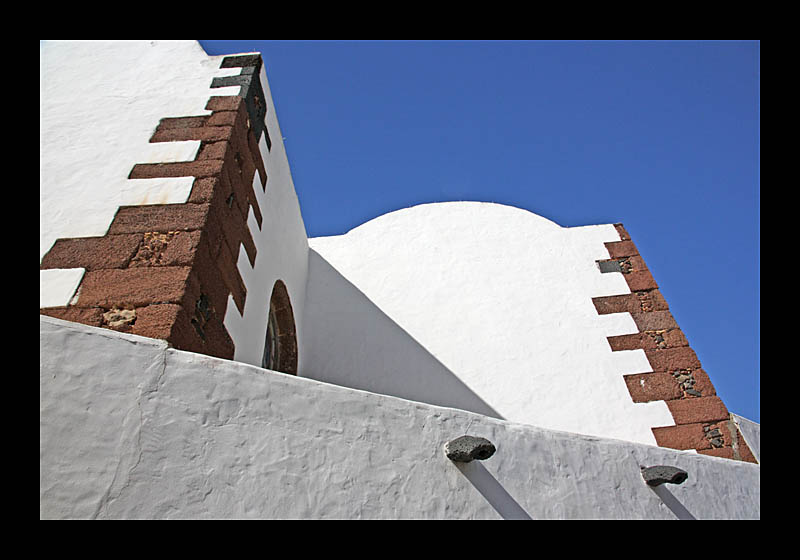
<point x="661" y="136"/>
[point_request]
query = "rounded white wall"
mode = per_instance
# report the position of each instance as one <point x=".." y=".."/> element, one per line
<point x="502" y="298"/>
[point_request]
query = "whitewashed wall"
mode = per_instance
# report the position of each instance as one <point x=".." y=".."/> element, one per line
<point x="132" y="429"/>
<point x="99" y="104"/>
<point x="500" y="298"/>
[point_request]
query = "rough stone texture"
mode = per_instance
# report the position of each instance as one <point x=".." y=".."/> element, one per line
<point x="640" y="280"/>
<point x="131" y="429"/>
<point x="172" y="248"/>
<point x="722" y="452"/>
<point x="624" y="303"/>
<point x="181" y="122"/>
<point x="618" y="249"/>
<point x="727" y="441"/>
<point x="156" y="321"/>
<point x="202" y="168"/>
<point x="468" y="448"/>
<point x="703" y="383"/>
<point x="92" y="316"/>
<point x="646" y="387"/>
<point x="651" y="300"/>
<point x="638" y="302"/>
<point x="662" y="474"/>
<point x="242" y="60"/>
<point x="687" y="436"/>
<point x="672" y="358"/>
<point x="133" y="286"/>
<point x="703" y="409"/>
<point x="92" y="253"/>
<point x="204" y="134"/>
<point x="654" y="320"/>
<point x="649" y="340"/>
<point x="623" y="233"/>
<point x="159" y="217"/>
<point x="119" y="318"/>
<point x="224" y="103"/>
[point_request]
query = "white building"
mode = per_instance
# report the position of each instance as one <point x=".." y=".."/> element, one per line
<point x="178" y="288"/>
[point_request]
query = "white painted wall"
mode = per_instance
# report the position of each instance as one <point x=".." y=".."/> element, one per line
<point x="352" y="342"/>
<point x="100" y="102"/>
<point x="499" y="298"/>
<point x="132" y="429"/>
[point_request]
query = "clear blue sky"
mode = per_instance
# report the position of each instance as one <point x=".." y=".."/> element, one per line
<point x="661" y="136"/>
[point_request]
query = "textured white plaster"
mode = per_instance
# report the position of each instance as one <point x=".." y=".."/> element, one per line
<point x="157" y="190"/>
<point x="616" y="324"/>
<point x="629" y="361"/>
<point x="162" y="152"/>
<point x="132" y="429"/>
<point x="100" y="102"/>
<point x="502" y="298"/>
<point x="90" y="416"/>
<point x="281" y="245"/>
<point x="58" y="285"/>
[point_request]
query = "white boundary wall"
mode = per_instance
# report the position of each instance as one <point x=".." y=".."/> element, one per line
<point x="132" y="429"/>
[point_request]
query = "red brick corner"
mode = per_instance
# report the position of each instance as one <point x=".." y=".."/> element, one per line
<point x="702" y="422"/>
<point x="166" y="271"/>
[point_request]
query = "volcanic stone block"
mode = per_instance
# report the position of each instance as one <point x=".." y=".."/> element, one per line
<point x="467" y="448"/>
<point x="655" y="476"/>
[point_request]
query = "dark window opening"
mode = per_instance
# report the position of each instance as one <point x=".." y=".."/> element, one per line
<point x="267" y="138"/>
<point x="280" y="344"/>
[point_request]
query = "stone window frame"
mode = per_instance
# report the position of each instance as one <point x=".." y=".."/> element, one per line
<point x="280" y="337"/>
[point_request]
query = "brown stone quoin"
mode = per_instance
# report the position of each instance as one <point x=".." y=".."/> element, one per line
<point x="166" y="271"/>
<point x="702" y="422"/>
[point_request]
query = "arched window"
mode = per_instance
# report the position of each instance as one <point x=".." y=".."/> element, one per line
<point x="280" y="347"/>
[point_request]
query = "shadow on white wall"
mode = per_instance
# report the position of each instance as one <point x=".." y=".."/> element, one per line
<point x="673" y="504"/>
<point x="491" y="489"/>
<point x="349" y="341"/>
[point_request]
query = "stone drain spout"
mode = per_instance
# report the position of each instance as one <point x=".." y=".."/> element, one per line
<point x="655" y="476"/>
<point x="467" y="448"/>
